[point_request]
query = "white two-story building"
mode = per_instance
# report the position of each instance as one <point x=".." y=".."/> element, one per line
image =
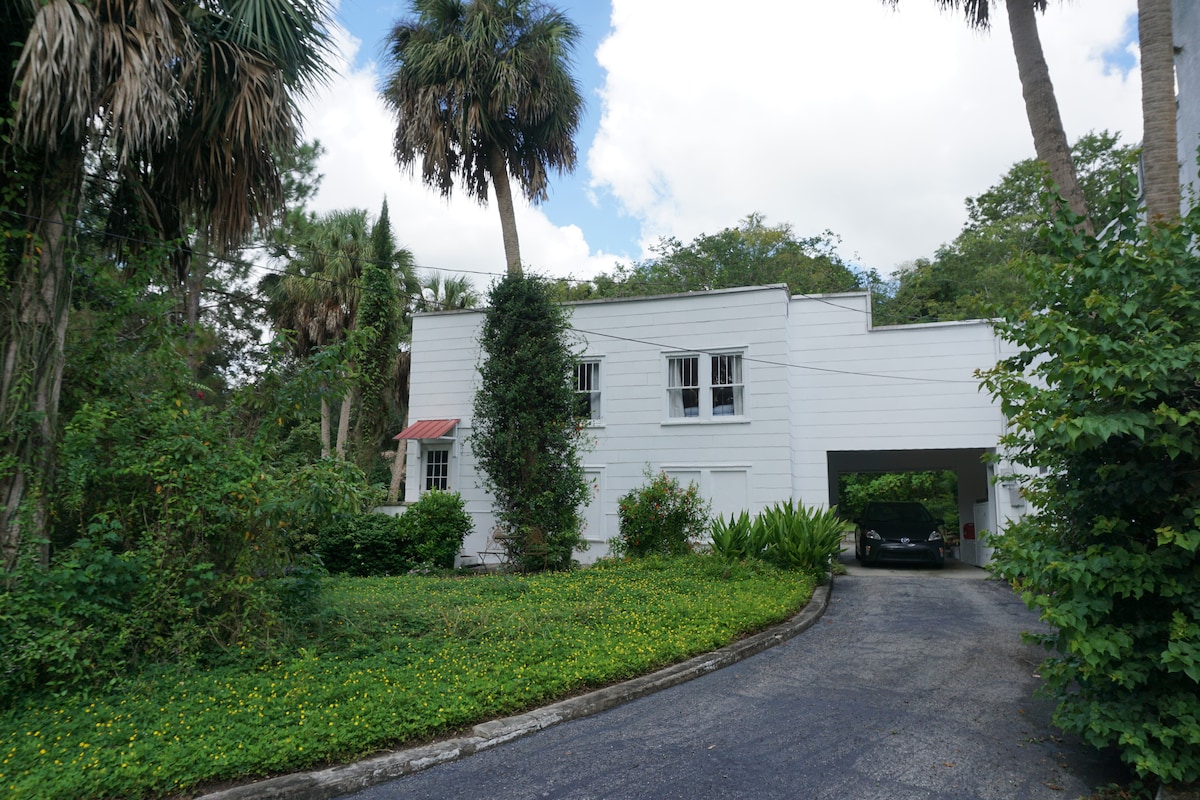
<point x="754" y="394"/>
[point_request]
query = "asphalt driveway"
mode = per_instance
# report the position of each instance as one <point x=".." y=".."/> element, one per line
<point x="912" y="685"/>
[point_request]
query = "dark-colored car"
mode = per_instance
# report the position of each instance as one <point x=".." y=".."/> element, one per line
<point x="898" y="531"/>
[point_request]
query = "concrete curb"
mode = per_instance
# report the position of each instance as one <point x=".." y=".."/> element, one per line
<point x="336" y="781"/>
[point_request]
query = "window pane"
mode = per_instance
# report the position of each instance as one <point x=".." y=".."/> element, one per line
<point x="683" y="386"/>
<point x="437" y="469"/>
<point x="587" y="386"/>
<point x="727" y="385"/>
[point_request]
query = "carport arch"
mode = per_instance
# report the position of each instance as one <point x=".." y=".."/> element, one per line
<point x="974" y="475"/>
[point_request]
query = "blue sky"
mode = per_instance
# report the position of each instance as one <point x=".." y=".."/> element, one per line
<point x="850" y="117"/>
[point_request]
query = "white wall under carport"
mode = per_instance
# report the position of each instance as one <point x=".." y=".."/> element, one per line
<point x="976" y="491"/>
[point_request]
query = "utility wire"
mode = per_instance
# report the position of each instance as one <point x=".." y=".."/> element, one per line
<point x="250" y="300"/>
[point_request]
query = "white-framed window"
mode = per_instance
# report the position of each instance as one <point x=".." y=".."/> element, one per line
<point x="587" y="388"/>
<point x="705" y="386"/>
<point x="437" y="468"/>
<point x="727" y="386"/>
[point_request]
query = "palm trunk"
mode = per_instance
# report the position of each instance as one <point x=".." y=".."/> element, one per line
<point x="508" y="217"/>
<point x="1041" y="107"/>
<point x="344" y="423"/>
<point x="326" y="447"/>
<point x="1159" y="136"/>
<point x="198" y="266"/>
<point x="34" y="332"/>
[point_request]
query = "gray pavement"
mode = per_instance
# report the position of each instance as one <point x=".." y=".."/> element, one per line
<point x="911" y="685"/>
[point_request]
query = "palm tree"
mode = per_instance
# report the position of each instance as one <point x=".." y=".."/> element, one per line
<point x="317" y="301"/>
<point x="482" y="90"/>
<point x="192" y="98"/>
<point x="1159" y="133"/>
<point x="446" y="293"/>
<point x="1041" y="106"/>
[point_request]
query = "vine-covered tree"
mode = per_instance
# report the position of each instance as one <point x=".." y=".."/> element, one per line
<point x="527" y="426"/>
<point x="482" y="90"/>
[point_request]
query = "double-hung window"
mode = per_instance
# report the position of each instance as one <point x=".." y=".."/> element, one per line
<point x="705" y="386"/>
<point x="587" y="389"/>
<point x="727" y="388"/>
<point x="683" y="386"/>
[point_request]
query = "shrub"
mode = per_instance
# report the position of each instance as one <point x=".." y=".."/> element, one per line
<point x="787" y="534"/>
<point x="429" y="532"/>
<point x="661" y="518"/>
<point x="436" y="525"/>
<point x="1106" y="415"/>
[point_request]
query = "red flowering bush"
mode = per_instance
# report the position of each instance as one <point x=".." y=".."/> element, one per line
<point x="660" y="518"/>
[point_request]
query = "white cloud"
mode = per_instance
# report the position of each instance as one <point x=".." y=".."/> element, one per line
<point x="849" y="116"/>
<point x="844" y="115"/>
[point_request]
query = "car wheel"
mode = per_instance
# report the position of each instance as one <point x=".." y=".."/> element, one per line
<point x="858" y="553"/>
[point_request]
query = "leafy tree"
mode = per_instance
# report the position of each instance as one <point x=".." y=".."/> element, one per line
<point x="482" y="90"/>
<point x="976" y="275"/>
<point x="178" y="93"/>
<point x="752" y="254"/>
<point x="1105" y="409"/>
<point x="938" y="490"/>
<point x="528" y="428"/>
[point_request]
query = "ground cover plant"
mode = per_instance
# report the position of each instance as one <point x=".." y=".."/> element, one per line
<point x="395" y="660"/>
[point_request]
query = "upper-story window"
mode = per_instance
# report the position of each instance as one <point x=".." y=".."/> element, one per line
<point x="587" y="388"/>
<point x="705" y="386"/>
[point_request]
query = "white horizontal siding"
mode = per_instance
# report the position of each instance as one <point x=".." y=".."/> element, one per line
<point x="817" y="378"/>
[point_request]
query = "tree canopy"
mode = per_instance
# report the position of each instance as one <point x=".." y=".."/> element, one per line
<point x="751" y="254"/>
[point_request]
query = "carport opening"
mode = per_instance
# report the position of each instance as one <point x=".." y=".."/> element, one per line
<point x="937" y="490"/>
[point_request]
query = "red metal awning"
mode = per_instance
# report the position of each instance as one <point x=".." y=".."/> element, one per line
<point x="427" y="429"/>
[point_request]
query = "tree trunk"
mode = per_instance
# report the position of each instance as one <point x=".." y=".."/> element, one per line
<point x="344" y="423"/>
<point x="33" y="333"/>
<point x="193" y="289"/>
<point x="326" y="447"/>
<point x="1041" y="107"/>
<point x="508" y="217"/>
<point x="1159" y="137"/>
<point x="399" y="467"/>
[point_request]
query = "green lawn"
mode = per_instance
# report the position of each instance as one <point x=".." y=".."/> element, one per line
<point x="396" y="660"/>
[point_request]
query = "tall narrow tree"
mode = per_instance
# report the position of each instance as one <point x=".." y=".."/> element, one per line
<point x="482" y="91"/>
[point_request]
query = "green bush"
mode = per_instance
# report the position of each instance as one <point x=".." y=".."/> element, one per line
<point x="1105" y="407"/>
<point x="787" y="534"/>
<point x="436" y="525"/>
<point x="660" y="518"/>
<point x="429" y="533"/>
